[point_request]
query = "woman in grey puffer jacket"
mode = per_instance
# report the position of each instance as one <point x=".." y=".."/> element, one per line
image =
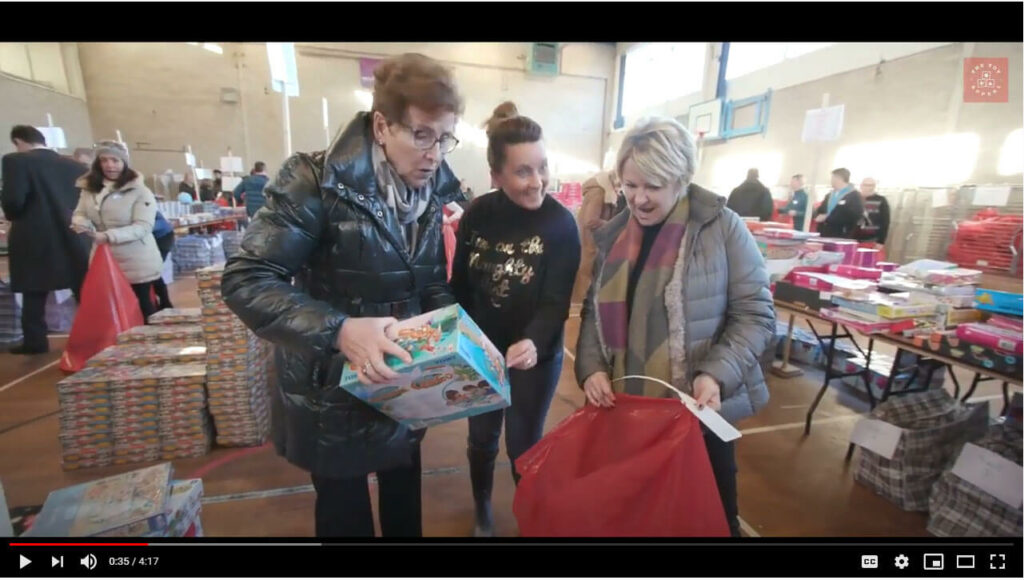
<point x="680" y="293"/>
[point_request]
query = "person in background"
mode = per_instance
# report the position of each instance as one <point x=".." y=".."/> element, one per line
<point x="842" y="210"/>
<point x="250" y="189"/>
<point x="39" y="195"/>
<point x="516" y="258"/>
<point x="218" y="181"/>
<point x="358" y="227"/>
<point x="875" y="229"/>
<point x="601" y="202"/>
<point x="206" y="190"/>
<point x="752" y="199"/>
<point x="797" y="206"/>
<point x="224" y="200"/>
<point x="163" y="233"/>
<point x="188" y="185"/>
<point x="680" y="293"/>
<point x="116" y="208"/>
<point x="83" y="155"/>
<point x="469" y="196"/>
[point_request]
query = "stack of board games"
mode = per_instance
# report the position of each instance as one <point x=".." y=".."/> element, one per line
<point x="237" y="362"/>
<point x="132" y="414"/>
<point x="143" y="503"/>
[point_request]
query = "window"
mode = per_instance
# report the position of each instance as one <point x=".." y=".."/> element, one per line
<point x="748" y="57"/>
<point x="746" y="116"/>
<point x="658" y="72"/>
<point x="925" y="161"/>
<point x="1011" y="158"/>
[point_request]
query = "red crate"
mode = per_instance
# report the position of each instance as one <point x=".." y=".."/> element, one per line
<point x="985" y="241"/>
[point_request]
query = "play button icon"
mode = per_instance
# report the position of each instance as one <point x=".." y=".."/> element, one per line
<point x="25" y="562"/>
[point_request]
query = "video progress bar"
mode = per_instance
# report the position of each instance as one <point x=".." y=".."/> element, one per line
<point x="153" y="545"/>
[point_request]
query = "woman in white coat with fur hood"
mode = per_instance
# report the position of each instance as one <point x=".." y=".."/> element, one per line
<point x="116" y="208"/>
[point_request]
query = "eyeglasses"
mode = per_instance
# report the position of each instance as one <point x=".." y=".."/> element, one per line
<point x="424" y="139"/>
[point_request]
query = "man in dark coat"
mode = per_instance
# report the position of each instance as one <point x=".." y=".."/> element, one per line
<point x="841" y="213"/>
<point x="39" y="197"/>
<point x="752" y="198"/>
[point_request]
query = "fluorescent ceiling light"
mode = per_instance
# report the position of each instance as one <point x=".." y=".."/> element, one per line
<point x="213" y="47"/>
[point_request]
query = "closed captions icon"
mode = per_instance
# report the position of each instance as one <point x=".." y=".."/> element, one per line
<point x="869" y="562"/>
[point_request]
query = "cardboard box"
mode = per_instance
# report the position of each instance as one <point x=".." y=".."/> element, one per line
<point x="456" y="372"/>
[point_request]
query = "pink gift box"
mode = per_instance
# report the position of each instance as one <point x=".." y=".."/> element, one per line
<point x="991" y="337"/>
<point x="866" y="258"/>
<point x="847" y="247"/>
<point x="855" y="272"/>
<point x="887" y="266"/>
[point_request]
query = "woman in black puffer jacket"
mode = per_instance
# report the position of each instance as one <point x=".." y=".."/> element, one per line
<point x="359" y="229"/>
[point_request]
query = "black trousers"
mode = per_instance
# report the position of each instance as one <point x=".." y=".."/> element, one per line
<point x="142" y="293"/>
<point x="33" y="320"/>
<point x="532" y="391"/>
<point x="164" y="244"/>
<point x="343" y="507"/>
<point x="723" y="463"/>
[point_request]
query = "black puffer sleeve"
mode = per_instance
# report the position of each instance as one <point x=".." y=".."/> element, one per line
<point x="257" y="281"/>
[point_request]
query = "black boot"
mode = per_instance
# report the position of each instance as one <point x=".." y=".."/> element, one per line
<point x="481" y="474"/>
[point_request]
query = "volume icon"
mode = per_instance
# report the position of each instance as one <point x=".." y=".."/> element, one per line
<point x="89" y="562"/>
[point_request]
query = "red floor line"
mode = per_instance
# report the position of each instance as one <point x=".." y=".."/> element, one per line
<point x="221" y="461"/>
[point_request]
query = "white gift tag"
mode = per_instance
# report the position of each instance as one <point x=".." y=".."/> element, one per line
<point x="711" y="419"/>
<point x="62" y="295"/>
<point x="993" y="473"/>
<point x="877" y="436"/>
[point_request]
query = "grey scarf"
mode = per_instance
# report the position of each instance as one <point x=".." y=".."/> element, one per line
<point x="407" y="204"/>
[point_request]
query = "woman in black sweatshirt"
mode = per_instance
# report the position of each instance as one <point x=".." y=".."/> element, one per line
<point x="516" y="260"/>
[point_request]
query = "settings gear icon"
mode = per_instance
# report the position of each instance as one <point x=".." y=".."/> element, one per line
<point x="902" y="562"/>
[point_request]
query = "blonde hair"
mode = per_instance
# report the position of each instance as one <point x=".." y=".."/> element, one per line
<point x="662" y="149"/>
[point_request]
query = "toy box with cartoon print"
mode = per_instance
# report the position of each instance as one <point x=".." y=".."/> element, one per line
<point x="456" y="372"/>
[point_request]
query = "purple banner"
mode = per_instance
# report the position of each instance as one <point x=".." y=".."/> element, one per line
<point x="366" y="68"/>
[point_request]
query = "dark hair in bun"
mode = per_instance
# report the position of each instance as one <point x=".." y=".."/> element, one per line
<point x="507" y="127"/>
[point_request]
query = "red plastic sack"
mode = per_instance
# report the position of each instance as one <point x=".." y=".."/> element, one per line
<point x="109" y="307"/>
<point x="448" y="232"/>
<point x="640" y="469"/>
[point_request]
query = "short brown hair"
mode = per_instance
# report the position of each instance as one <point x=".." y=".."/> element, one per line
<point x="842" y="173"/>
<point x="506" y="127"/>
<point x="414" y="80"/>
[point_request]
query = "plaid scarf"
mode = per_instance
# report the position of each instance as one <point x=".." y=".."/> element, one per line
<point x="637" y="339"/>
